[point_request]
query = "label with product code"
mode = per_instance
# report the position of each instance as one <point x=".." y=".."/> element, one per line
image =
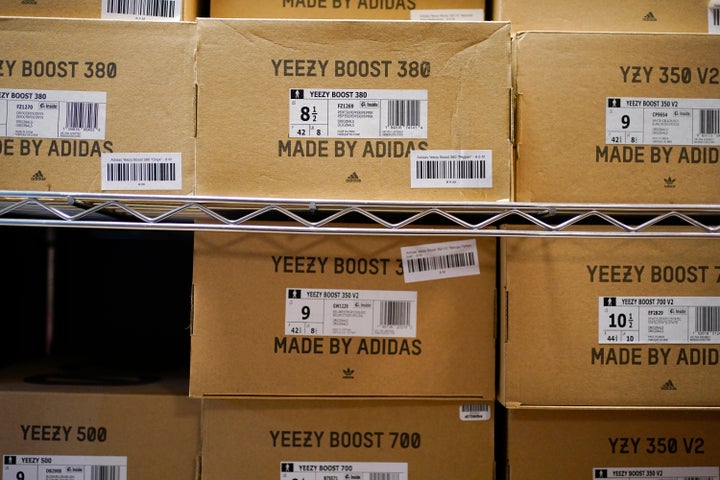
<point x="680" y="320"/>
<point x="336" y="113"/>
<point x="52" y="114"/>
<point x="448" y="15"/>
<point x="343" y="471"/>
<point x="662" y="121"/>
<point x="657" y="473"/>
<point x="350" y="313"/>
<point x="475" y="412"/>
<point x="64" y="467"/>
<point x="141" y="171"/>
<point x="714" y="16"/>
<point x="451" y="169"/>
<point x="440" y="260"/>
<point x="156" y="10"/>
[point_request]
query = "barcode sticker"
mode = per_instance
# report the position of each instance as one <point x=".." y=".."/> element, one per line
<point x="440" y="260"/>
<point x="141" y="171"/>
<point x="657" y="473"/>
<point x="52" y="114"/>
<point x="678" y="320"/>
<point x="451" y="169"/>
<point x="475" y="412"/>
<point x="327" y="113"/>
<point x="350" y="313"/>
<point x="290" y="470"/>
<point x="156" y="10"/>
<point x="714" y="16"/>
<point x="64" y="467"/>
<point x="665" y="121"/>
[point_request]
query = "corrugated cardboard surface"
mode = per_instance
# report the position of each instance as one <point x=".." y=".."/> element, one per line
<point x="155" y="425"/>
<point x="427" y="435"/>
<point x="79" y="8"/>
<point x="574" y="443"/>
<point x="562" y="94"/>
<point x="146" y="70"/>
<point x="239" y="320"/>
<point x="604" y="15"/>
<point x="550" y="349"/>
<point x="338" y="9"/>
<point x="243" y="105"/>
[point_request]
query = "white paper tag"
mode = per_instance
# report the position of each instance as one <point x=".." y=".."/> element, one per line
<point x="679" y="320"/>
<point x="475" y="412"/>
<point x="714" y="16"/>
<point x="440" y="260"/>
<point x="141" y="171"/>
<point x="657" y="473"/>
<point x="63" y="467"/>
<point x="348" y="113"/>
<point x="52" y="114"/>
<point x="343" y="471"/>
<point x="155" y="10"/>
<point x="448" y="15"/>
<point x="350" y="313"/>
<point x="451" y="169"/>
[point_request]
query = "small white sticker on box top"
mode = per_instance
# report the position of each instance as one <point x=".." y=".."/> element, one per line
<point x="64" y="467"/>
<point x="714" y="16"/>
<point x="290" y="470"/>
<point x="475" y="412"/>
<point x="678" y="320"/>
<point x="434" y="261"/>
<point x="155" y="10"/>
<point x="451" y="169"/>
<point x="349" y="113"/>
<point x="448" y="15"/>
<point x="657" y="473"/>
<point x="350" y="313"/>
<point x="53" y="113"/>
<point x="141" y="171"/>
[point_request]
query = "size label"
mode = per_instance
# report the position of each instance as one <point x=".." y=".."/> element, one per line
<point x="343" y="471"/>
<point x="351" y="313"/>
<point x="475" y="412"/>
<point x="681" y="320"/>
<point x="321" y="113"/>
<point x="52" y="114"/>
<point x="63" y="467"/>
<point x="448" y="15"/>
<point x="663" y="121"/>
<point x="440" y="260"/>
<point x="451" y="169"/>
<point x="141" y="171"/>
<point x="656" y="473"/>
<point x="156" y="10"/>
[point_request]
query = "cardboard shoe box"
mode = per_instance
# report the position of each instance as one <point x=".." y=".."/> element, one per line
<point x="438" y="10"/>
<point x="613" y="443"/>
<point x="610" y="321"/>
<point x="328" y="439"/>
<point x="160" y="10"/>
<point x="61" y="422"/>
<point x="696" y="16"/>
<point x="111" y="107"/>
<point x="617" y="118"/>
<point x="342" y="315"/>
<point x="362" y="110"/>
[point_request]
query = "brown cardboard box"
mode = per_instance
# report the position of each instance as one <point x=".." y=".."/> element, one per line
<point x="607" y="15"/>
<point x="617" y="118"/>
<point x="599" y="321"/>
<point x="439" y="10"/>
<point x="357" y="330"/>
<point x="333" y="439"/>
<point x="78" y="417"/>
<point x="337" y="109"/>
<point x="162" y="10"/>
<point x="99" y="96"/>
<point x="613" y="443"/>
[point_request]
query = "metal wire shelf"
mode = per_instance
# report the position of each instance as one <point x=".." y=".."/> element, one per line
<point x="195" y="213"/>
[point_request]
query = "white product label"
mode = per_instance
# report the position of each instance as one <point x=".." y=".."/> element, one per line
<point x="665" y="121"/>
<point x="351" y="313"/>
<point x="343" y="471"/>
<point x="448" y="15"/>
<point x="475" y="413"/>
<point x="63" y="467"/>
<point x="680" y="320"/>
<point x="156" y="10"/>
<point x="714" y="16"/>
<point x="440" y="260"/>
<point x="451" y="169"/>
<point x="657" y="473"/>
<point x="141" y="171"/>
<point x="321" y="113"/>
<point x="52" y="114"/>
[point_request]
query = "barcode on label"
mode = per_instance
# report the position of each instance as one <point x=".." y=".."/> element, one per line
<point x="443" y="262"/>
<point x="150" y="8"/>
<point x="450" y="169"/>
<point x="82" y="115"/>
<point x="696" y="478"/>
<point x="404" y="113"/>
<point x="384" y="476"/>
<point x="707" y="319"/>
<point x="395" y="313"/>
<point x="715" y="12"/>
<point x="141" y="172"/>
<point x="474" y="408"/>
<point x="710" y="121"/>
<point x="104" y="472"/>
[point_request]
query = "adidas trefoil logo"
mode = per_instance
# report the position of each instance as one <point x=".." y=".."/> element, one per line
<point x="669" y="182"/>
<point x="668" y="386"/>
<point x="38" y="177"/>
<point x="349" y="373"/>
<point x="649" y="17"/>
<point x="353" y="178"/>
